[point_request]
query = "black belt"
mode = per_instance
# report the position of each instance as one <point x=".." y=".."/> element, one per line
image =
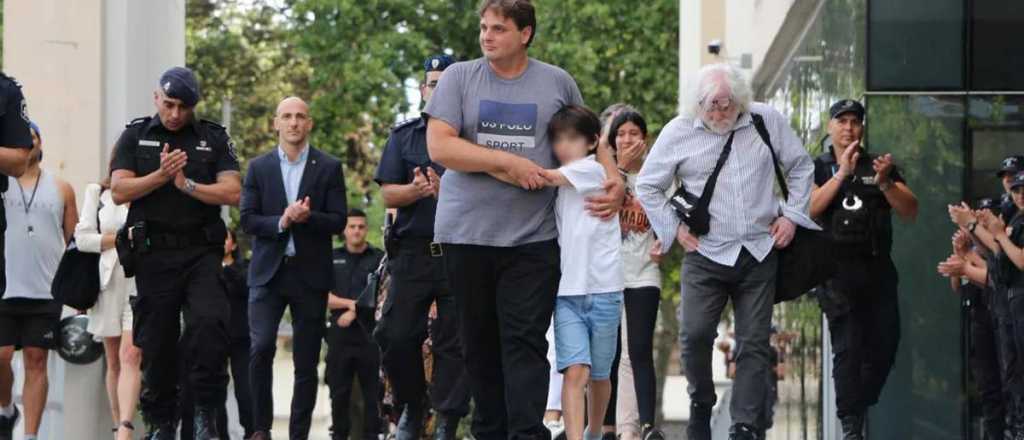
<point x="179" y="240"/>
<point x="422" y="246"/>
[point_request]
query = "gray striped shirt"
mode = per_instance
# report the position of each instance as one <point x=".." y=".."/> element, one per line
<point x="745" y="203"/>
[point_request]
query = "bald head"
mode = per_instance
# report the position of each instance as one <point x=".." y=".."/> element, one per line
<point x="292" y="104"/>
<point x="293" y="123"/>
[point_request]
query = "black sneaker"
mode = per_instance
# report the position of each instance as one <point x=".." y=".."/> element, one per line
<point x="608" y="436"/>
<point x="651" y="433"/>
<point x="7" y="424"/>
<point x="742" y="431"/>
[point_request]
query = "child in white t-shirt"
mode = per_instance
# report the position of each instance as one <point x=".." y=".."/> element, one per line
<point x="590" y="292"/>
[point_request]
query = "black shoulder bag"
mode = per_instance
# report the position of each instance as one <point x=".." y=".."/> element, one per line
<point x="695" y="211"/>
<point x="806" y="263"/>
<point x="77" y="281"/>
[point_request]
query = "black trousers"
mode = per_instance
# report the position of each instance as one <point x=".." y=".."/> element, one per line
<point x="641" y="316"/>
<point x="239" y="358"/>
<point x="308" y="308"/>
<point x="865" y="336"/>
<point x="346" y="362"/>
<point x="417" y="281"/>
<point x="172" y="283"/>
<point x="505" y="298"/>
<point x="984" y="359"/>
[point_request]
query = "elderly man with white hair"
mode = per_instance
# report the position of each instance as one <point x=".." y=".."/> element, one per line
<point x="734" y="258"/>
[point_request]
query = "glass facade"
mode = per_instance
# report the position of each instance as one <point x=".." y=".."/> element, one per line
<point x="944" y="90"/>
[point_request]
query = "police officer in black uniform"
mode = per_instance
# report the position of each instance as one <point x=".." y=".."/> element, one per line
<point x="177" y="171"/>
<point x="410" y="182"/>
<point x="15" y="146"/>
<point x="854" y="196"/>
<point x="1008" y="168"/>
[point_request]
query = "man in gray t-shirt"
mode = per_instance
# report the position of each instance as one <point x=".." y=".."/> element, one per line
<point x="488" y="126"/>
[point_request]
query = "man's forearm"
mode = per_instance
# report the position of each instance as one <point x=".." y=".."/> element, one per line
<point x="451" y="151"/>
<point x="335" y="302"/>
<point x="227" y="191"/>
<point x="13" y="161"/>
<point x="399" y="196"/>
<point x="902" y="201"/>
<point x="129" y="189"/>
<point x="822" y="196"/>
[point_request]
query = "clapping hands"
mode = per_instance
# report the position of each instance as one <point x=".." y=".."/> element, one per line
<point x="297" y="212"/>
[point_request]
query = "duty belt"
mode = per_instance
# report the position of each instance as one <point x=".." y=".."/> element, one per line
<point x="431" y="248"/>
<point x="179" y="240"/>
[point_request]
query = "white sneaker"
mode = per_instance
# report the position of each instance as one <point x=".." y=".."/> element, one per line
<point x="557" y="429"/>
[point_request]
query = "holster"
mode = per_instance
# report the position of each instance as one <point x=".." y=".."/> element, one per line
<point x="131" y="242"/>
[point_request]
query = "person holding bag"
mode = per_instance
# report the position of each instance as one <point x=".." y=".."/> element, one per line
<point x="111" y="317"/>
<point x="737" y="256"/>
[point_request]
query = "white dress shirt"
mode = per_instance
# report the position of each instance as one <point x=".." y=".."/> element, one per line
<point x="745" y="203"/>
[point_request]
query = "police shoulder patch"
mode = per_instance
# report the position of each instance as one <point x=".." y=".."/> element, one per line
<point x="138" y="121"/>
<point x="404" y="123"/>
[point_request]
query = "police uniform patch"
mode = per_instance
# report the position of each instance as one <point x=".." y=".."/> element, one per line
<point x="24" y="111"/>
<point x="231" y="149"/>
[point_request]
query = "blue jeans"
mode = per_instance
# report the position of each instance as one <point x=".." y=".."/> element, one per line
<point x="586" y="332"/>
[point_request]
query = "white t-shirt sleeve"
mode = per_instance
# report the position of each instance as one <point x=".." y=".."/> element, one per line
<point x="585" y="175"/>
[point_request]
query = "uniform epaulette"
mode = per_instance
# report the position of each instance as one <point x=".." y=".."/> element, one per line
<point x="137" y="121"/>
<point x="213" y="124"/>
<point x="405" y="123"/>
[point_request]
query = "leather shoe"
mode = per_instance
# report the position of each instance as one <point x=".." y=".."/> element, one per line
<point x="260" y="435"/>
<point x="742" y="431"/>
<point x="699" y="427"/>
<point x="410" y="423"/>
<point x="162" y="431"/>
<point x="205" y="424"/>
<point x="853" y="427"/>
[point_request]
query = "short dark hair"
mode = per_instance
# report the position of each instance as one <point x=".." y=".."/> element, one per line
<point x="356" y="212"/>
<point x="626" y="116"/>
<point x="576" y="119"/>
<point x="520" y="11"/>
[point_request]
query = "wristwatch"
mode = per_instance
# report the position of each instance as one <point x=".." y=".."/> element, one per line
<point x="972" y="226"/>
<point x="884" y="187"/>
<point x="190" y="186"/>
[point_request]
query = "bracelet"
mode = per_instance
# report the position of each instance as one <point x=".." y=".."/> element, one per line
<point x="972" y="226"/>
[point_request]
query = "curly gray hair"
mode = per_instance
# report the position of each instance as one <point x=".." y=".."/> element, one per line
<point x="711" y="79"/>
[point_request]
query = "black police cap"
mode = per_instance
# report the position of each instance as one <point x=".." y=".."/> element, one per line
<point x="1011" y="165"/>
<point x="847" y="106"/>
<point x="988" y="203"/>
<point x="1018" y="181"/>
<point x="438" y="63"/>
<point x="180" y="83"/>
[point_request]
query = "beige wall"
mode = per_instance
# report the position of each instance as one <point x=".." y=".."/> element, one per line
<point x="53" y="48"/>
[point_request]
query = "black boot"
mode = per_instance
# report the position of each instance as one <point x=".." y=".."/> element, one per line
<point x="743" y="431"/>
<point x="410" y="423"/>
<point x="650" y="432"/>
<point x="853" y="427"/>
<point x="205" y="423"/>
<point x="446" y="427"/>
<point x="162" y="431"/>
<point x="699" y="427"/>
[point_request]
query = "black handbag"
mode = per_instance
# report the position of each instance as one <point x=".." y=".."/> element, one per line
<point x="695" y="211"/>
<point x="77" y="281"/>
<point x="807" y="262"/>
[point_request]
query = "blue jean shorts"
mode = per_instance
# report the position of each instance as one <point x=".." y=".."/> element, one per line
<point x="587" y="332"/>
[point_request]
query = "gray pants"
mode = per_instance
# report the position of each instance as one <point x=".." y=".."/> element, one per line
<point x="707" y="287"/>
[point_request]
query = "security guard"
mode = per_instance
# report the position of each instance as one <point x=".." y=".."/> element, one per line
<point x="853" y="197"/>
<point x="176" y="171"/>
<point x="410" y="182"/>
<point x="1008" y="168"/>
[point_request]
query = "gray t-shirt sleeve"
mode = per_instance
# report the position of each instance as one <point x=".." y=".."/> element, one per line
<point x="575" y="97"/>
<point x="446" y="102"/>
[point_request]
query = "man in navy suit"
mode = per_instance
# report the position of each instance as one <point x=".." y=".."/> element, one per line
<point x="293" y="202"/>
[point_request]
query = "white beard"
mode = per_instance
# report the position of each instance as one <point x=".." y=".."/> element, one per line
<point x="721" y="127"/>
